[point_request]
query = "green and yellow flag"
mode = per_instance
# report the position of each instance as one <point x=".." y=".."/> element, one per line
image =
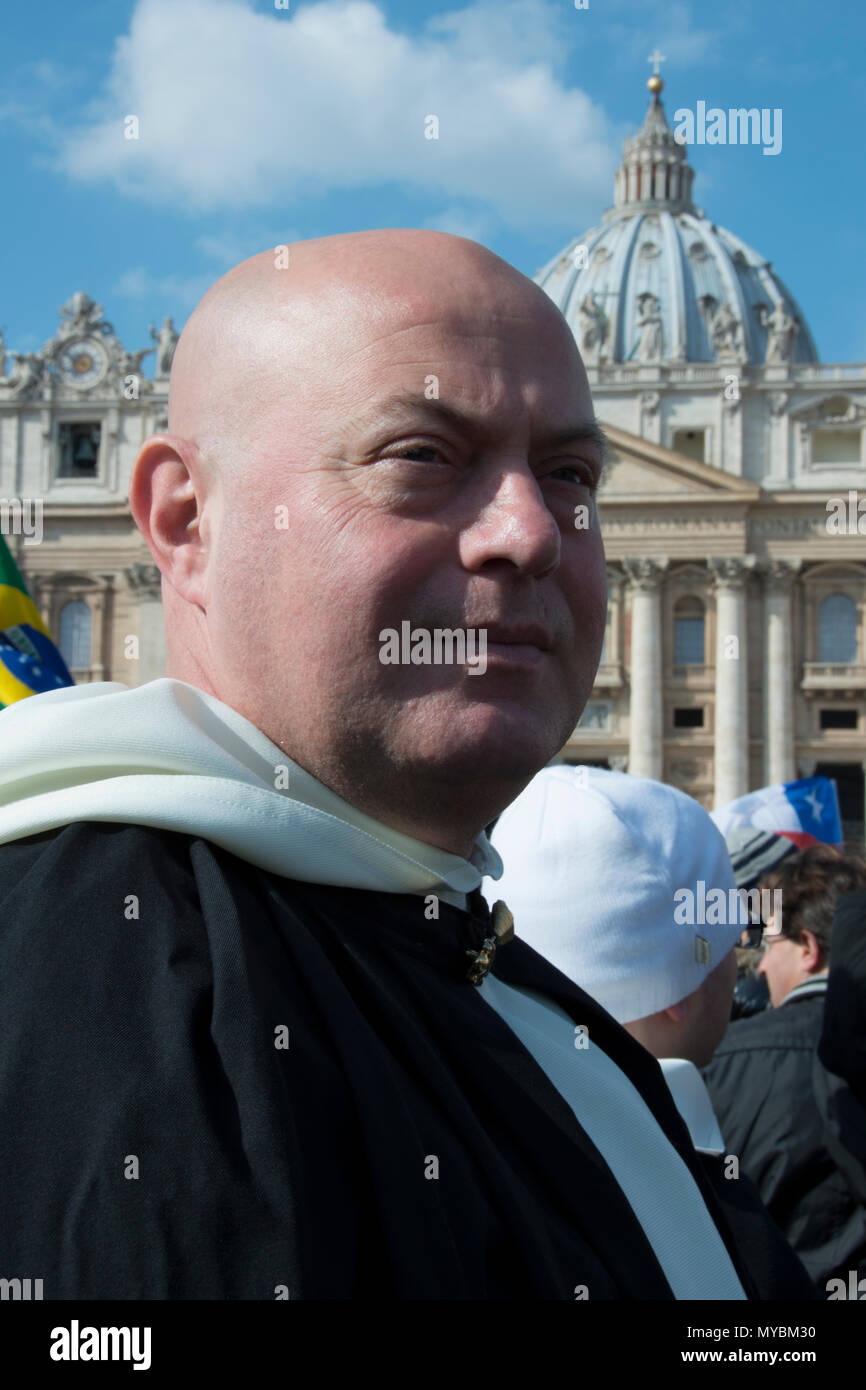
<point x="29" y="661"/>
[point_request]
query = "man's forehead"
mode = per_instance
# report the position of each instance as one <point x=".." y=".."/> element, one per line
<point x="339" y="350"/>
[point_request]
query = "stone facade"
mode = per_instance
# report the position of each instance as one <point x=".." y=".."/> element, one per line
<point x="750" y="571"/>
<point x="72" y="420"/>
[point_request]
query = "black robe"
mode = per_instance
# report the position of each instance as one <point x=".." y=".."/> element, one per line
<point x="156" y="1144"/>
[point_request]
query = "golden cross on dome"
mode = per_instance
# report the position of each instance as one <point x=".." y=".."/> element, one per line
<point x="656" y="58"/>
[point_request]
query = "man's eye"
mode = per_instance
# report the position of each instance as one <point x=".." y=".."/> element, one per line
<point x="579" y="473"/>
<point x="417" y="453"/>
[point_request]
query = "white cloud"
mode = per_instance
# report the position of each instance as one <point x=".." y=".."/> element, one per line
<point x="239" y="109"/>
<point x="134" y="283"/>
<point x="461" y="222"/>
<point x="227" y="248"/>
<point x="217" y="251"/>
<point x="668" y="25"/>
<point x="513" y="30"/>
<point x="139" y="283"/>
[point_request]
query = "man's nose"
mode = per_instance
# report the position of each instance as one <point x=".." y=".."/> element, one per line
<point x="515" y="524"/>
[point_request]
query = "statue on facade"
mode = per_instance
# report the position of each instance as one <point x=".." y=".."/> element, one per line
<point x="26" y="375"/>
<point x="166" y="341"/>
<point x="649" y="324"/>
<point x="594" y="325"/>
<point x="782" y="329"/>
<point x="723" y="328"/>
<point x="130" y="362"/>
<point x="81" y="315"/>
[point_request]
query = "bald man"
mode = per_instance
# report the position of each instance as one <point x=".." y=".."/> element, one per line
<point x="262" y="1036"/>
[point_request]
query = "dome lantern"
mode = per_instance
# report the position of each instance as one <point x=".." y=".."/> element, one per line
<point x="654" y="172"/>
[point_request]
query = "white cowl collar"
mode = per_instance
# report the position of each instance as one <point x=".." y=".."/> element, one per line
<point x="169" y="755"/>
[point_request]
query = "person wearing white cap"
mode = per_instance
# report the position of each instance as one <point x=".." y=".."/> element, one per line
<point x="626" y="886"/>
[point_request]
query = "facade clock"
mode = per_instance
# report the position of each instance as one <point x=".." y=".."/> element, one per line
<point x="82" y="362"/>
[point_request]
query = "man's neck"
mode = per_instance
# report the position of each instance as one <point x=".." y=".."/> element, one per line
<point x="436" y="819"/>
<point x="438" y="827"/>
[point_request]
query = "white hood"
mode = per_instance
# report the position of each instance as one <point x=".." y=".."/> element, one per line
<point x="167" y="754"/>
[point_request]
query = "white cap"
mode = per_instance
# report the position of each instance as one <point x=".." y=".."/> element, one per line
<point x="600" y="869"/>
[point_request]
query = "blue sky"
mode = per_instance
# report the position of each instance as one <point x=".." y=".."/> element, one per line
<point x="259" y="126"/>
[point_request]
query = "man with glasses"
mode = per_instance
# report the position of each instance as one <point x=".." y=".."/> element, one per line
<point x="753" y="853"/>
<point x="760" y="1080"/>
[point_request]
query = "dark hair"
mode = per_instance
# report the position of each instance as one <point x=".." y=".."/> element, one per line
<point x="810" y="883"/>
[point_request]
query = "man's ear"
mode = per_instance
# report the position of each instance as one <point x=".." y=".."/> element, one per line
<point x="166" y="496"/>
<point x="677" y="1012"/>
<point x="813" y="956"/>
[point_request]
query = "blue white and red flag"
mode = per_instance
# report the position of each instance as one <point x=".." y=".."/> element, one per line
<point x="805" y="811"/>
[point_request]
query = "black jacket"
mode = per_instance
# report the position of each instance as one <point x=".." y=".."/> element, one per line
<point x="842" y="1048"/>
<point x="839" y="1072"/>
<point x="154" y="1143"/>
<point x="761" y="1085"/>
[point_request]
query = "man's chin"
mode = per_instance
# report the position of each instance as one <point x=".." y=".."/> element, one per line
<point x="491" y="744"/>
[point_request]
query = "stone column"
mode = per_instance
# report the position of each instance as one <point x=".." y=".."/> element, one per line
<point x="779" y="576"/>
<point x="613" y="648"/>
<point x="780" y="435"/>
<point x="97" y="601"/>
<point x="730" y="573"/>
<point x="145" y="583"/>
<point x="650" y="416"/>
<point x="645" y="577"/>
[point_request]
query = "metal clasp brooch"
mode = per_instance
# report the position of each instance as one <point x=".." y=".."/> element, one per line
<point x="503" y="932"/>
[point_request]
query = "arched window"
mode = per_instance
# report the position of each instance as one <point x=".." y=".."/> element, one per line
<point x="689" y="632"/>
<point x="75" y="628"/>
<point x="837" y="630"/>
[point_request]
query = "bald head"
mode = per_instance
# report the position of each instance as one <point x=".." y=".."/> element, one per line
<point x="364" y="431"/>
<point x="277" y="325"/>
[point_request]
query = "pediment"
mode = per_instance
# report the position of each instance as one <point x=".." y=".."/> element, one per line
<point x="836" y="409"/>
<point x="637" y="468"/>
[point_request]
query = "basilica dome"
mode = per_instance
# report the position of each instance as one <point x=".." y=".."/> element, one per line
<point x="657" y="281"/>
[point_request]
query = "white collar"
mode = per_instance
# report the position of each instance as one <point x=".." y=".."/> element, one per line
<point x="692" y="1099"/>
<point x="170" y="755"/>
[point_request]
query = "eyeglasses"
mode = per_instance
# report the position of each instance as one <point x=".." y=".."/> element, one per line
<point x="756" y="937"/>
<point x="769" y="939"/>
